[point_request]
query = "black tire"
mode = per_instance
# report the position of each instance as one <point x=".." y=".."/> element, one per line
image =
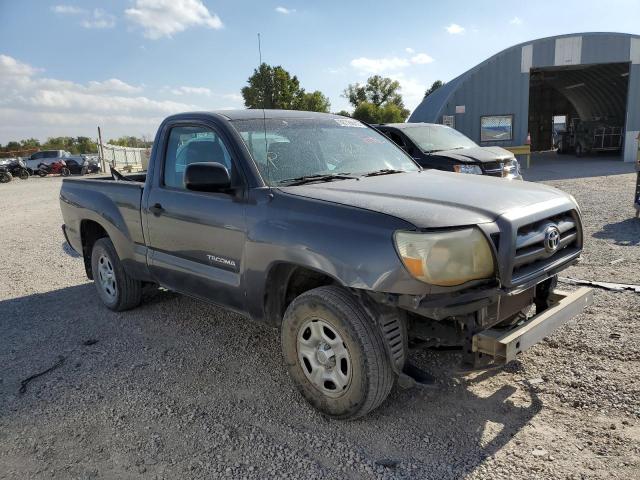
<point x="43" y="173"/>
<point x="5" y="177"/>
<point x="65" y="172"/>
<point x="371" y="375"/>
<point x="127" y="292"/>
<point x="23" y="174"/>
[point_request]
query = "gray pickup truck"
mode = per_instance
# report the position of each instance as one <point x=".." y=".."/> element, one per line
<point x="322" y="227"/>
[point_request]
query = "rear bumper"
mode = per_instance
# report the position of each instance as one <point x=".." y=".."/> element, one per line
<point x="504" y="345"/>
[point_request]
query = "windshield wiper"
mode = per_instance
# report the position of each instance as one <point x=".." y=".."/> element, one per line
<point x="384" y="171"/>
<point x="316" y="178"/>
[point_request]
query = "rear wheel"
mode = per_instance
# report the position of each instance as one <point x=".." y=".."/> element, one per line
<point x="23" y="174"/>
<point x="117" y="290"/>
<point x="65" y="172"/>
<point x="43" y="173"/>
<point x="335" y="353"/>
<point x="5" y="177"/>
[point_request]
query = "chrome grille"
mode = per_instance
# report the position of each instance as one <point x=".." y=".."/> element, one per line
<point x="493" y="169"/>
<point x="500" y="168"/>
<point x="531" y="251"/>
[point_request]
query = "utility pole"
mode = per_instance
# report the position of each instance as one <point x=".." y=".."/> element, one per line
<point x="102" y="162"/>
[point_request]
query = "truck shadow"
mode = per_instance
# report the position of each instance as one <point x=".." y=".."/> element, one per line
<point x="177" y="352"/>
<point x="625" y="233"/>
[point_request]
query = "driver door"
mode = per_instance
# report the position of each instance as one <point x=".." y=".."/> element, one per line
<point x="196" y="239"/>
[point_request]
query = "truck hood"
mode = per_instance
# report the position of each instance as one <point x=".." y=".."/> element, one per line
<point x="433" y="198"/>
<point x="476" y="154"/>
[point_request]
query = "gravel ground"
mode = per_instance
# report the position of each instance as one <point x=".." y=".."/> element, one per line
<point x="181" y="389"/>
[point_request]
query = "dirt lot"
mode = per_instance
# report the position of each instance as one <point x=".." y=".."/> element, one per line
<point x="181" y="389"/>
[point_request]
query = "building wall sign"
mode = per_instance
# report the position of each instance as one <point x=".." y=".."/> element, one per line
<point x="496" y="128"/>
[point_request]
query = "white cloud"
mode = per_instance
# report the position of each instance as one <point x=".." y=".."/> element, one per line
<point x="284" y="10"/>
<point x="191" y="91"/>
<point x="99" y="19"/>
<point x="515" y="21"/>
<point x="387" y="64"/>
<point x="412" y="90"/>
<point x="378" y="65"/>
<point x="68" y="10"/>
<point x="35" y="106"/>
<point x="10" y="67"/>
<point x="96" y="18"/>
<point x="421" y="59"/>
<point x="112" y="85"/>
<point x="409" y="50"/>
<point x="31" y="105"/>
<point x="163" y="18"/>
<point x="454" y="29"/>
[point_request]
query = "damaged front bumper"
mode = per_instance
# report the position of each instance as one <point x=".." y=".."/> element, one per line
<point x="504" y="344"/>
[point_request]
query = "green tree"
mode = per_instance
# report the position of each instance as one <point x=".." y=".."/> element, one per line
<point x="378" y="90"/>
<point x="434" y="86"/>
<point x="312" y="102"/>
<point x="370" y="113"/>
<point x="271" y="87"/>
<point x="130" y="141"/>
<point x="367" y="112"/>
<point x="12" y="146"/>
<point x="377" y="101"/>
<point x="274" y="87"/>
<point x="30" y="143"/>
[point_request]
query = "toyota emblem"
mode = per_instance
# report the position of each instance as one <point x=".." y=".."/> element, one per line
<point x="551" y="238"/>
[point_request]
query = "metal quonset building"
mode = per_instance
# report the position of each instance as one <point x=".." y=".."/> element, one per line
<point x="517" y="92"/>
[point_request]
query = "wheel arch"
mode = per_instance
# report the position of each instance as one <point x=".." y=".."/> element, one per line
<point x="284" y="282"/>
<point x="90" y="232"/>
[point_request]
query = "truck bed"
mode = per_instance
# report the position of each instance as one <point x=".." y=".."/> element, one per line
<point x="113" y="204"/>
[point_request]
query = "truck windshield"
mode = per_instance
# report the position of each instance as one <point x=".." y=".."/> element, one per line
<point x="435" y="138"/>
<point x="291" y="148"/>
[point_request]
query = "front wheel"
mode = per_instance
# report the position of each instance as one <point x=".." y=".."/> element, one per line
<point x="335" y="353"/>
<point x="117" y="290"/>
<point x="23" y="174"/>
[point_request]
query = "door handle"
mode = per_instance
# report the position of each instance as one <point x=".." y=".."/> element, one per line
<point x="156" y="209"/>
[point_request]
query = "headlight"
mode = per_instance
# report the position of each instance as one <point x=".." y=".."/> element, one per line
<point x="446" y="258"/>
<point x="511" y="168"/>
<point x="463" y="168"/>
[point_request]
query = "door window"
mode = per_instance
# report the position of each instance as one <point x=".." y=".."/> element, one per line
<point x="193" y="145"/>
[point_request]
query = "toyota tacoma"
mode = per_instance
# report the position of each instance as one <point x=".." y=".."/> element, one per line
<point x="323" y="228"/>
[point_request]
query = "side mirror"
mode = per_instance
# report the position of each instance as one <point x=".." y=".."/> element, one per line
<point x="207" y="177"/>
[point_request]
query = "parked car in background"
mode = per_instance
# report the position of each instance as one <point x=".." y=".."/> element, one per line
<point x="46" y="157"/>
<point x="320" y="226"/>
<point x="444" y="148"/>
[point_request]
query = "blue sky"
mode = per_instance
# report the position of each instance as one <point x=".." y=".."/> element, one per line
<point x="67" y="66"/>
